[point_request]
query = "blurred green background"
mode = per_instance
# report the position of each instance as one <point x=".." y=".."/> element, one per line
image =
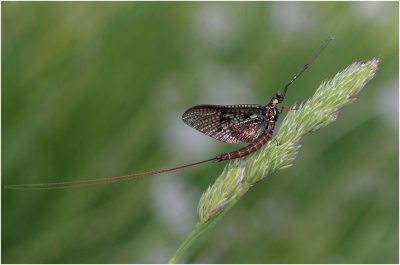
<point x="94" y="90"/>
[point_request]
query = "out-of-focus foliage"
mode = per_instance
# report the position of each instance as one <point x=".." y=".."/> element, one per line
<point x="97" y="89"/>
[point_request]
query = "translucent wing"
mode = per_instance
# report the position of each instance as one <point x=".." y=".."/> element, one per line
<point x="231" y="124"/>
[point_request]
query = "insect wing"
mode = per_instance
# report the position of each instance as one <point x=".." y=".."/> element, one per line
<point x="231" y="124"/>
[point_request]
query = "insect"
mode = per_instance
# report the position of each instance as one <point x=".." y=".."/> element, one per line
<point x="245" y="123"/>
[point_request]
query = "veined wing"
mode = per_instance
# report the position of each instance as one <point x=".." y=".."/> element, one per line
<point x="231" y="123"/>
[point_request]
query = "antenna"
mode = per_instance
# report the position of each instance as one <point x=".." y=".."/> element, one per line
<point x="309" y="62"/>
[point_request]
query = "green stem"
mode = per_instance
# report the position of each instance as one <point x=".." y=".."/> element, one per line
<point x="202" y="227"/>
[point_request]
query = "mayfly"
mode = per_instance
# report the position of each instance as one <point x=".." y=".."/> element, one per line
<point x="234" y="124"/>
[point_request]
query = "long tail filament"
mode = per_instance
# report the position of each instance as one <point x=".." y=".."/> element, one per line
<point x="83" y="183"/>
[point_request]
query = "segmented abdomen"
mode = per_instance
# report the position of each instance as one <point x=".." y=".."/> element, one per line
<point x="251" y="148"/>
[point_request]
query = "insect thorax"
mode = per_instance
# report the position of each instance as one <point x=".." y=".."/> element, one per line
<point x="271" y="114"/>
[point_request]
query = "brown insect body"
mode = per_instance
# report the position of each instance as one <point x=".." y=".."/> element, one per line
<point x="271" y="116"/>
<point x="243" y="123"/>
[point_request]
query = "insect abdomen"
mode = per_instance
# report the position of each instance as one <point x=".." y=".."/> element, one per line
<point x="251" y="148"/>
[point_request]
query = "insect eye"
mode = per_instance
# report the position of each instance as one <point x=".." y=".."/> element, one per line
<point x="279" y="96"/>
